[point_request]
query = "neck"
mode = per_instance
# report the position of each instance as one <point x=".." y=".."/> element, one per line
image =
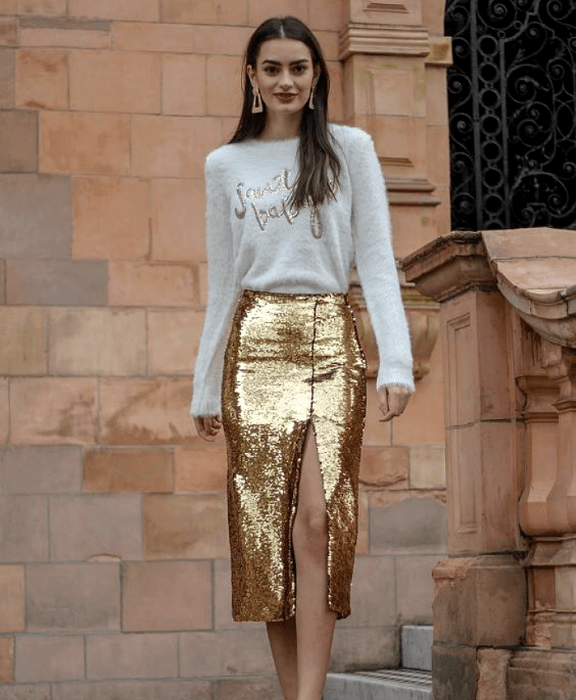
<point x="281" y="126"/>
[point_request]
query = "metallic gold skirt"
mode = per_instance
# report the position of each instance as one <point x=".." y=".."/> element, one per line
<point x="292" y="361"/>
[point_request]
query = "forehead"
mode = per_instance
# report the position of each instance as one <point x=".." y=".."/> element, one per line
<point x="284" y="51"/>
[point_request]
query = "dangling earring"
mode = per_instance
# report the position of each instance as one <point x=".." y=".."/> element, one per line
<point x="311" y="100"/>
<point x="257" y="106"/>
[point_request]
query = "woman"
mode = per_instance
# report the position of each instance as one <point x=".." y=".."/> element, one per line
<point x="291" y="202"/>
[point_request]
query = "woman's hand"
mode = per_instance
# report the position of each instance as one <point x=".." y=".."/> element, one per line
<point x="208" y="427"/>
<point x="392" y="401"/>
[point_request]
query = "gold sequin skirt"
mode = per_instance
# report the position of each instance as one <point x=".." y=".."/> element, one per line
<point x="292" y="361"/>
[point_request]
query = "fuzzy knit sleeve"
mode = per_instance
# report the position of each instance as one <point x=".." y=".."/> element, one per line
<point x="375" y="262"/>
<point x="223" y="292"/>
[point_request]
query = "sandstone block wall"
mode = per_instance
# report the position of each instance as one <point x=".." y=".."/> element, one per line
<point x="113" y="546"/>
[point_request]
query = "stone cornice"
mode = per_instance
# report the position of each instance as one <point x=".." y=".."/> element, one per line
<point x="534" y="269"/>
<point x="450" y="265"/>
<point x="385" y="40"/>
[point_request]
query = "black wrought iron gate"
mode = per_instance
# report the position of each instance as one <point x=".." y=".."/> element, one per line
<point x="512" y="100"/>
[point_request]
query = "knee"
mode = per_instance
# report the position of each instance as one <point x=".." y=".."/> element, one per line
<point x="310" y="536"/>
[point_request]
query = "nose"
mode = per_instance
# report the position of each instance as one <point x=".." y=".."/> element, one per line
<point x="285" y="80"/>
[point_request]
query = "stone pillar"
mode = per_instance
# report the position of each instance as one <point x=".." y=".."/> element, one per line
<point x="508" y="326"/>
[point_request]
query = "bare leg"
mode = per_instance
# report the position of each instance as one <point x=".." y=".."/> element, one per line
<point x="282" y="636"/>
<point x="302" y="650"/>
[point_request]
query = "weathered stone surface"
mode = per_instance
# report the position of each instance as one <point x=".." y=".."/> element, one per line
<point x="131" y="656"/>
<point x="35" y="216"/>
<point x="23" y="524"/>
<point x="248" y="688"/>
<point x="152" y="284"/>
<point x="67" y="32"/>
<point x="65" y="597"/>
<point x="7" y="663"/>
<point x="4" y="412"/>
<point x="152" y="36"/>
<point x="41" y="7"/>
<point x="139" y="10"/>
<point x="145" y="411"/>
<point x="21" y="691"/>
<point x="536" y="674"/>
<point x="114" y="81"/>
<point x="8" y="31"/>
<point x="414" y="524"/>
<point x="173" y="340"/>
<point x="177" y="231"/>
<point x="384" y="466"/>
<point x="427" y="467"/>
<point x="204" y="12"/>
<point x="23" y="337"/>
<point x="373" y="593"/>
<point x="38" y="470"/>
<point x="111" y="218"/>
<point x="6" y="77"/>
<point x="18" y="141"/>
<point x="134" y="690"/>
<point x="41" y="79"/>
<point x="185" y="527"/>
<point x="358" y="648"/>
<point x="84" y="143"/>
<point x="225" y="653"/>
<point x="57" y="282"/>
<point x="415" y="588"/>
<point x="97" y="341"/>
<point x="259" y="10"/>
<point x="492" y="670"/>
<point x="49" y="658"/>
<point x="172" y="146"/>
<point x="223" y="75"/>
<point x="480" y="601"/>
<point x="143" y="471"/>
<point x="201" y="468"/>
<point x="222" y="40"/>
<point x="184" y="84"/>
<point x="12" y="615"/>
<point x="82" y="527"/>
<point x="167" y="596"/>
<point x="53" y="411"/>
<point x="453" y="673"/>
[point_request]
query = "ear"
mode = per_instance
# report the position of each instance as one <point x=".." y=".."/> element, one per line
<point x="316" y="74"/>
<point x="252" y="76"/>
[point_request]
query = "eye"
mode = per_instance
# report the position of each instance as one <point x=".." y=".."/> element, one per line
<point x="270" y="70"/>
<point x="299" y="70"/>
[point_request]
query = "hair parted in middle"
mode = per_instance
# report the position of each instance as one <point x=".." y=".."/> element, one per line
<point x="319" y="169"/>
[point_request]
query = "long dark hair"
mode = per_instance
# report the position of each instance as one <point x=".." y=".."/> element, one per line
<point x="317" y="180"/>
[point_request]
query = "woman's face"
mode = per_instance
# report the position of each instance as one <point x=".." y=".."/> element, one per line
<point x="284" y="72"/>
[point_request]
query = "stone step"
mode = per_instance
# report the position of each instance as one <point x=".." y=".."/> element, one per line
<point x="416" y="647"/>
<point x="401" y="684"/>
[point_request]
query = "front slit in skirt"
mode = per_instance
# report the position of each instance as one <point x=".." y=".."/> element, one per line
<point x="292" y="361"/>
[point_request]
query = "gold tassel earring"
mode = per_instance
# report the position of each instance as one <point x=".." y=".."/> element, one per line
<point x="257" y="106"/>
<point x="311" y="100"/>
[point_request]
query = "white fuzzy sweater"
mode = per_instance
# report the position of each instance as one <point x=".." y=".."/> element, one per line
<point x="255" y="241"/>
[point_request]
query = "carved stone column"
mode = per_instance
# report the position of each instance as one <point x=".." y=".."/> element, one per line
<point x="508" y="321"/>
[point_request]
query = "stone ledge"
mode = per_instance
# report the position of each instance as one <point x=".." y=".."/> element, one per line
<point x="385" y="40"/>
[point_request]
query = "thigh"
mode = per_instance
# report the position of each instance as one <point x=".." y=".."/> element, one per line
<point x="311" y="500"/>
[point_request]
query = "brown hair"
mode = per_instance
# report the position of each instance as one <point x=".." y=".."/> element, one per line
<point x="317" y="158"/>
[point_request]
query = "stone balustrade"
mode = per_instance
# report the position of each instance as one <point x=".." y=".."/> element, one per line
<point x="508" y="325"/>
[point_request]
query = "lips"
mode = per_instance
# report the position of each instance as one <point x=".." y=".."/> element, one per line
<point x="285" y="95"/>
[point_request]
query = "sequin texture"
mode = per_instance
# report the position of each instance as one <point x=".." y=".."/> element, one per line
<point x="293" y="362"/>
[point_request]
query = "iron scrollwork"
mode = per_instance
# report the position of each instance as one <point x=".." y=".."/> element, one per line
<point x="512" y="100"/>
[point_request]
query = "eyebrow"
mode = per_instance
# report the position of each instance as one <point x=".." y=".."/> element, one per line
<point x="293" y="63"/>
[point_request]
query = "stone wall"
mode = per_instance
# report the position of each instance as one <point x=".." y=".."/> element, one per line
<point x="113" y="546"/>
